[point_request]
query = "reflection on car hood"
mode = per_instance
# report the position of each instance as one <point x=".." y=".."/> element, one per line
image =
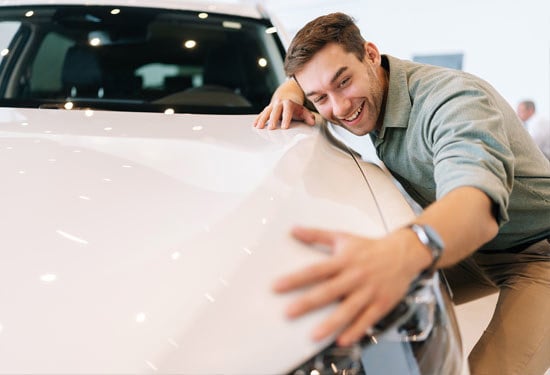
<point x="141" y="242"/>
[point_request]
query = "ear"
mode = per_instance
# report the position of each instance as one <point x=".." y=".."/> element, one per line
<point x="372" y="53"/>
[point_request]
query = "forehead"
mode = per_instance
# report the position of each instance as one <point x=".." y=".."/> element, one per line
<point x="320" y="70"/>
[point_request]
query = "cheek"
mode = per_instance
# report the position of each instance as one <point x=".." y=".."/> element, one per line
<point x="324" y="110"/>
<point x="356" y="92"/>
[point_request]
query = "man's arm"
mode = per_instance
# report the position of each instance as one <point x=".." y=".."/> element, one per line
<point x="464" y="219"/>
<point x="368" y="277"/>
<point x="287" y="104"/>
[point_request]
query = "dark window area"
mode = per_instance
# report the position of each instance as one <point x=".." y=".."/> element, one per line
<point x="137" y="59"/>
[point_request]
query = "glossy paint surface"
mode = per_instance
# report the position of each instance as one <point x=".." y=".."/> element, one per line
<point x="136" y="243"/>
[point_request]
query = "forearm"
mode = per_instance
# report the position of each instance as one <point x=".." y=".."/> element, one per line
<point x="290" y="90"/>
<point x="464" y="221"/>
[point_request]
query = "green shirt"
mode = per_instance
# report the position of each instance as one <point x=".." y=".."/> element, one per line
<point x="445" y="128"/>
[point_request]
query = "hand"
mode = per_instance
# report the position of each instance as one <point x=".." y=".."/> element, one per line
<point x="367" y="276"/>
<point x="286" y="105"/>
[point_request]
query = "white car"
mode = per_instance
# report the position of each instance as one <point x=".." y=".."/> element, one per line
<point x="144" y="219"/>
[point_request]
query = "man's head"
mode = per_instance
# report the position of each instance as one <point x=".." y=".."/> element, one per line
<point x="340" y="73"/>
<point x="526" y="109"/>
<point x="336" y="28"/>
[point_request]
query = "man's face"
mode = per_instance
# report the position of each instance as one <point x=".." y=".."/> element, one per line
<point x="523" y="112"/>
<point x="344" y="90"/>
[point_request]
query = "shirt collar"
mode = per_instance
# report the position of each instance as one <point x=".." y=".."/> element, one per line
<point x="398" y="102"/>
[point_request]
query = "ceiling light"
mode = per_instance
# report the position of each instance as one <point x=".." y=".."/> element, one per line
<point x="190" y="44"/>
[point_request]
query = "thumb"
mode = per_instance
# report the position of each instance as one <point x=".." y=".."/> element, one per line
<point x="308" y="117"/>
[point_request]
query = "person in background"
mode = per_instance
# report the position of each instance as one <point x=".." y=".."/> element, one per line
<point x="461" y="152"/>
<point x="536" y="125"/>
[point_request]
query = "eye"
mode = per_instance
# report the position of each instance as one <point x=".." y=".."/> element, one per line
<point x="319" y="99"/>
<point x="344" y="82"/>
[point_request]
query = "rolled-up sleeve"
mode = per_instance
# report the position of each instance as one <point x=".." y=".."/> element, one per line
<point x="471" y="148"/>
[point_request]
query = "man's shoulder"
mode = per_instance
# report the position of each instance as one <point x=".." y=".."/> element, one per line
<point x="433" y="83"/>
<point x="417" y="74"/>
<point x="409" y="65"/>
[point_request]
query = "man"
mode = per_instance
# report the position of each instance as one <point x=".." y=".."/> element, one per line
<point x="461" y="152"/>
<point x="536" y="125"/>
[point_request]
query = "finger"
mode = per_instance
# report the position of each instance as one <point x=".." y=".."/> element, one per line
<point x="275" y="116"/>
<point x="287" y="114"/>
<point x="308" y="117"/>
<point x="306" y="276"/>
<point x="324" y="293"/>
<point x="364" y="322"/>
<point x="315" y="236"/>
<point x="261" y="119"/>
<point x="344" y="315"/>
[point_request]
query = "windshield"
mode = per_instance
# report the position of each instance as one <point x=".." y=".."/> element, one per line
<point x="137" y="59"/>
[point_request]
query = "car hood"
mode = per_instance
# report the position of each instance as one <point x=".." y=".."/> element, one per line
<point x="146" y="242"/>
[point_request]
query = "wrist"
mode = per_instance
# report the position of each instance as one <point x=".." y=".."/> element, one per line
<point x="431" y="243"/>
<point x="293" y="92"/>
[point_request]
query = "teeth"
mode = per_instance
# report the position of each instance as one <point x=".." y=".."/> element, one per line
<point x="355" y="114"/>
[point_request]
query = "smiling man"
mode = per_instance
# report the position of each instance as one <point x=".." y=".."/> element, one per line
<point x="461" y="152"/>
<point x="327" y="84"/>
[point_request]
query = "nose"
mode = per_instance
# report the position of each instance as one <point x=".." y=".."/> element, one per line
<point x="341" y="106"/>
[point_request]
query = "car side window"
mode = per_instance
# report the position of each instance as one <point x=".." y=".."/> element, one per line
<point x="7" y="32"/>
<point x="8" y="36"/>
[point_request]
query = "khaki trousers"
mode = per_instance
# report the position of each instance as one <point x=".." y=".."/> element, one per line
<point x="517" y="340"/>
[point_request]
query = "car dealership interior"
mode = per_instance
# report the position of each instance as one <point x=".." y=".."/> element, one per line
<point x="152" y="201"/>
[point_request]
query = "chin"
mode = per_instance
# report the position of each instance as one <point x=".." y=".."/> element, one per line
<point x="357" y="130"/>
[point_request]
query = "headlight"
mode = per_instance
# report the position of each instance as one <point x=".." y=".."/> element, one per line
<point x="334" y="360"/>
<point x="409" y="340"/>
<point x="412" y="319"/>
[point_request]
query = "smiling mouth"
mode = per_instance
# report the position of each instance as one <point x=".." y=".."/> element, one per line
<point x="355" y="114"/>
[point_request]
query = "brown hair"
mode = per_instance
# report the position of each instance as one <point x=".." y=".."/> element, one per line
<point x="332" y="28"/>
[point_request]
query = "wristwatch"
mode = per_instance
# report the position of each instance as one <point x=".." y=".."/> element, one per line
<point x="429" y="238"/>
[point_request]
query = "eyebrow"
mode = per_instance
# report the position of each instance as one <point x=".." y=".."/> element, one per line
<point x="336" y="75"/>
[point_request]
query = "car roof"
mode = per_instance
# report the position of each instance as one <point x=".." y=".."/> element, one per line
<point x="243" y="10"/>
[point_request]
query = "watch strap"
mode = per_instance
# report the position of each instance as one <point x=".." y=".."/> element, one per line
<point x="432" y="241"/>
